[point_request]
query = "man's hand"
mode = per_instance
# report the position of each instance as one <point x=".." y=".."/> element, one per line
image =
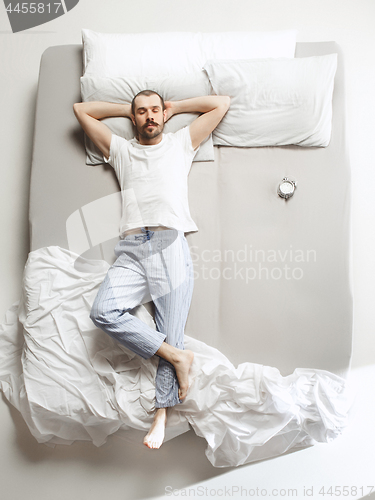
<point x="168" y="110"/>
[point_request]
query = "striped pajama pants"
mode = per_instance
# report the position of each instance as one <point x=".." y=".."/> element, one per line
<point x="157" y="266"/>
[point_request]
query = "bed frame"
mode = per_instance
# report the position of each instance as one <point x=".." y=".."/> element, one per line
<point x="283" y="320"/>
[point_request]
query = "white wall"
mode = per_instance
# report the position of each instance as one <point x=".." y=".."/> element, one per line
<point x="349" y="23"/>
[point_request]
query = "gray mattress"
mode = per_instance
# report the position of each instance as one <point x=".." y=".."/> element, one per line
<point x="294" y="309"/>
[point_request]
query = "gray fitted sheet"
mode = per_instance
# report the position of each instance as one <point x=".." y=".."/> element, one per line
<point x="284" y="320"/>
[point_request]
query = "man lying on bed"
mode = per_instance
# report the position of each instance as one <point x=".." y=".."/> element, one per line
<point x="152" y="171"/>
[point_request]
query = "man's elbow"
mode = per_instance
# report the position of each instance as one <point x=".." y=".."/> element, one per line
<point x="76" y="107"/>
<point x="225" y="104"/>
<point x="227" y="101"/>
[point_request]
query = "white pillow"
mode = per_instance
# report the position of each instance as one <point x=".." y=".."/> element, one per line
<point x="140" y="54"/>
<point x="122" y="90"/>
<point x="248" y="44"/>
<point x="176" y="53"/>
<point x="275" y="102"/>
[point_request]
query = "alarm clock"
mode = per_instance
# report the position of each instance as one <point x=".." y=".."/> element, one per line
<point x="286" y="188"/>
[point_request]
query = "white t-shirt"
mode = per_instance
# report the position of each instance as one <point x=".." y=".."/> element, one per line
<point x="154" y="181"/>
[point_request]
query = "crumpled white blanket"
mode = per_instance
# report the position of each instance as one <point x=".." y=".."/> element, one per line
<point x="71" y="381"/>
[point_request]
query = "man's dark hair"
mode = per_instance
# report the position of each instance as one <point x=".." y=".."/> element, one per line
<point x="147" y="92"/>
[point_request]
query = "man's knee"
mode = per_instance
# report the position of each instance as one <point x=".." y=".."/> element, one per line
<point x="94" y="316"/>
<point x="99" y="315"/>
<point x="102" y="316"/>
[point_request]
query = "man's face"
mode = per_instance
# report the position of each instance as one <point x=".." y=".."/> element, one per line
<point x="149" y="117"/>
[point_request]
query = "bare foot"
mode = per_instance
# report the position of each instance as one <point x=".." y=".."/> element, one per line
<point x="182" y="364"/>
<point x="155" y="436"/>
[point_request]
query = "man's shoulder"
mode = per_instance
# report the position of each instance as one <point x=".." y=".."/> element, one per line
<point x="118" y="147"/>
<point x="180" y="134"/>
<point x="119" y="139"/>
<point x="183" y="130"/>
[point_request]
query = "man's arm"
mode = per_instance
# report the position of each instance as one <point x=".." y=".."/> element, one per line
<point x="213" y="108"/>
<point x="89" y="115"/>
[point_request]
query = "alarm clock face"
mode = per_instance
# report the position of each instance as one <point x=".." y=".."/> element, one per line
<point x="286" y="187"/>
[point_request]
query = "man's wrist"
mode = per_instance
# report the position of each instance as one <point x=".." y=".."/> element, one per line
<point x="127" y="110"/>
<point x="175" y="107"/>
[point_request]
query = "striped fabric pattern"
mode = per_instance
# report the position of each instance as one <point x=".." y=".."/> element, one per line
<point x="157" y="266"/>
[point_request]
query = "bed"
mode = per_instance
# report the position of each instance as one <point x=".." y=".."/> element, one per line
<point x="266" y="342"/>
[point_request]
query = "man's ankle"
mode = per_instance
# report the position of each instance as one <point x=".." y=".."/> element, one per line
<point x="161" y="412"/>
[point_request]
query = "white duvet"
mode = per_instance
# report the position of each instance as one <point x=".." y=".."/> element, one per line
<point x="71" y="381"/>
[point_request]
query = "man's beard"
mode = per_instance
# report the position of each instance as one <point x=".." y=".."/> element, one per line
<point x="149" y="133"/>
